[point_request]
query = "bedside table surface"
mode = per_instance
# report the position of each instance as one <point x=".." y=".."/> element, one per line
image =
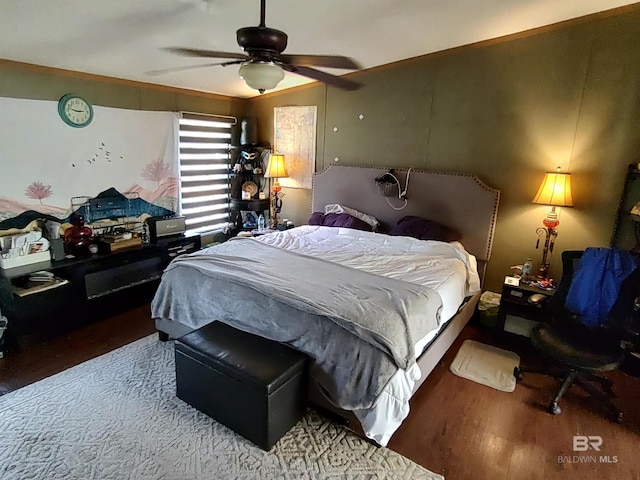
<point x="520" y="294"/>
<point x="532" y="288"/>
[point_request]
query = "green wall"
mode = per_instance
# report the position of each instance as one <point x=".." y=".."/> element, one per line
<point x="507" y="110"/>
<point x="24" y="81"/>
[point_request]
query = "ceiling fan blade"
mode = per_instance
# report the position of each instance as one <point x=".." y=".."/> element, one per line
<point x="163" y="71"/>
<point x="324" y="77"/>
<point x="197" y="52"/>
<point x="329" y="61"/>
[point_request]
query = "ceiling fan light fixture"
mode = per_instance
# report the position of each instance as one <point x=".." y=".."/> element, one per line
<point x="264" y="64"/>
<point x="261" y="75"/>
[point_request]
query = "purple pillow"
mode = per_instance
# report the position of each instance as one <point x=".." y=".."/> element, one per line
<point x="317" y="218"/>
<point x="338" y="220"/>
<point x="424" y="229"/>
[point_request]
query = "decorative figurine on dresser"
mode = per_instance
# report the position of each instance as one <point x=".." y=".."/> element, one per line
<point x="78" y="237"/>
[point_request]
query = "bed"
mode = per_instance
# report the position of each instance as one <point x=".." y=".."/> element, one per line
<point x="375" y="313"/>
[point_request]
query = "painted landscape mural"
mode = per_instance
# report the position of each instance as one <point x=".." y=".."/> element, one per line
<point x="49" y="170"/>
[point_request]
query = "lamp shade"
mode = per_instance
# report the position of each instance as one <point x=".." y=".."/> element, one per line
<point x="277" y="167"/>
<point x="261" y="75"/>
<point x="555" y="190"/>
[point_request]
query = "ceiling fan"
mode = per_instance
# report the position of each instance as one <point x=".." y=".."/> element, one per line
<point x="263" y="62"/>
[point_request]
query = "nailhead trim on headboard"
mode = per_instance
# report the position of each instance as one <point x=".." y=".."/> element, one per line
<point x="471" y="206"/>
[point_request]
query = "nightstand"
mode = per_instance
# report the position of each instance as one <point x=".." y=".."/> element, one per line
<point x="517" y="314"/>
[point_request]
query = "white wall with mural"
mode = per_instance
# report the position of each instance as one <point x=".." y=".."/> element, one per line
<point x="45" y="162"/>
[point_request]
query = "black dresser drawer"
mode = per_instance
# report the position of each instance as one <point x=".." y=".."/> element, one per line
<point x="172" y="247"/>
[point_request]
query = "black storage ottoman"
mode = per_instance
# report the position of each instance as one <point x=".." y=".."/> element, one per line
<point x="255" y="386"/>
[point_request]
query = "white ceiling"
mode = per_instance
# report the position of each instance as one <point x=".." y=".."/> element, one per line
<point x="124" y="38"/>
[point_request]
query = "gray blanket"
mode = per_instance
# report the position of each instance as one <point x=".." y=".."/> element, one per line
<point x="358" y="327"/>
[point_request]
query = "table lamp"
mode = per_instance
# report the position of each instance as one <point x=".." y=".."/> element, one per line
<point x="555" y="190"/>
<point x="276" y="169"/>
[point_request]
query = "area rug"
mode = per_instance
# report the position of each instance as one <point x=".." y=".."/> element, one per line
<point x="117" y="417"/>
<point x="487" y="365"/>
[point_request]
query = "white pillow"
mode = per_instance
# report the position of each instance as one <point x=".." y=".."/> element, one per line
<point x="337" y="208"/>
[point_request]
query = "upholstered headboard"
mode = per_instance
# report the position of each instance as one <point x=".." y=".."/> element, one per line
<point x="458" y="200"/>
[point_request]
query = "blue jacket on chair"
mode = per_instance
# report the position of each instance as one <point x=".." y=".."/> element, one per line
<point x="596" y="283"/>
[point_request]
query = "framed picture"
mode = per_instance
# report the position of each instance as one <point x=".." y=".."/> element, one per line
<point x="295" y="138"/>
<point x="35" y="247"/>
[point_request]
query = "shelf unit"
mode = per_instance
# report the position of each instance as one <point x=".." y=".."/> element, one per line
<point x="249" y="165"/>
<point x="626" y="230"/>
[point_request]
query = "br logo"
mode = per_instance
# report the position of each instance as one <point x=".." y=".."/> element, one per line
<point x="582" y="443"/>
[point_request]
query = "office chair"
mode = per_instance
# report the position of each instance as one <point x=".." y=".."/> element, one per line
<point x="579" y="353"/>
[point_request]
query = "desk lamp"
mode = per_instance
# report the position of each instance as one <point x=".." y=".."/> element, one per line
<point x="555" y="190"/>
<point x="276" y="169"/>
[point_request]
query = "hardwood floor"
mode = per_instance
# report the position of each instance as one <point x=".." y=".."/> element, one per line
<point x="464" y="430"/>
<point x="456" y="427"/>
<point x="33" y="359"/>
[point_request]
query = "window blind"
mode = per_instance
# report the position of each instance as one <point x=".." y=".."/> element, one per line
<point x="204" y="155"/>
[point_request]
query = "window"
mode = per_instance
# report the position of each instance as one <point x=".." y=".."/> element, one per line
<point x="204" y="143"/>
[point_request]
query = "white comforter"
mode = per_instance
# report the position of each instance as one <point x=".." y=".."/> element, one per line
<point x="445" y="267"/>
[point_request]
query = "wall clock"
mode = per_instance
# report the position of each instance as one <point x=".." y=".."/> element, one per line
<point x="75" y="110"/>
